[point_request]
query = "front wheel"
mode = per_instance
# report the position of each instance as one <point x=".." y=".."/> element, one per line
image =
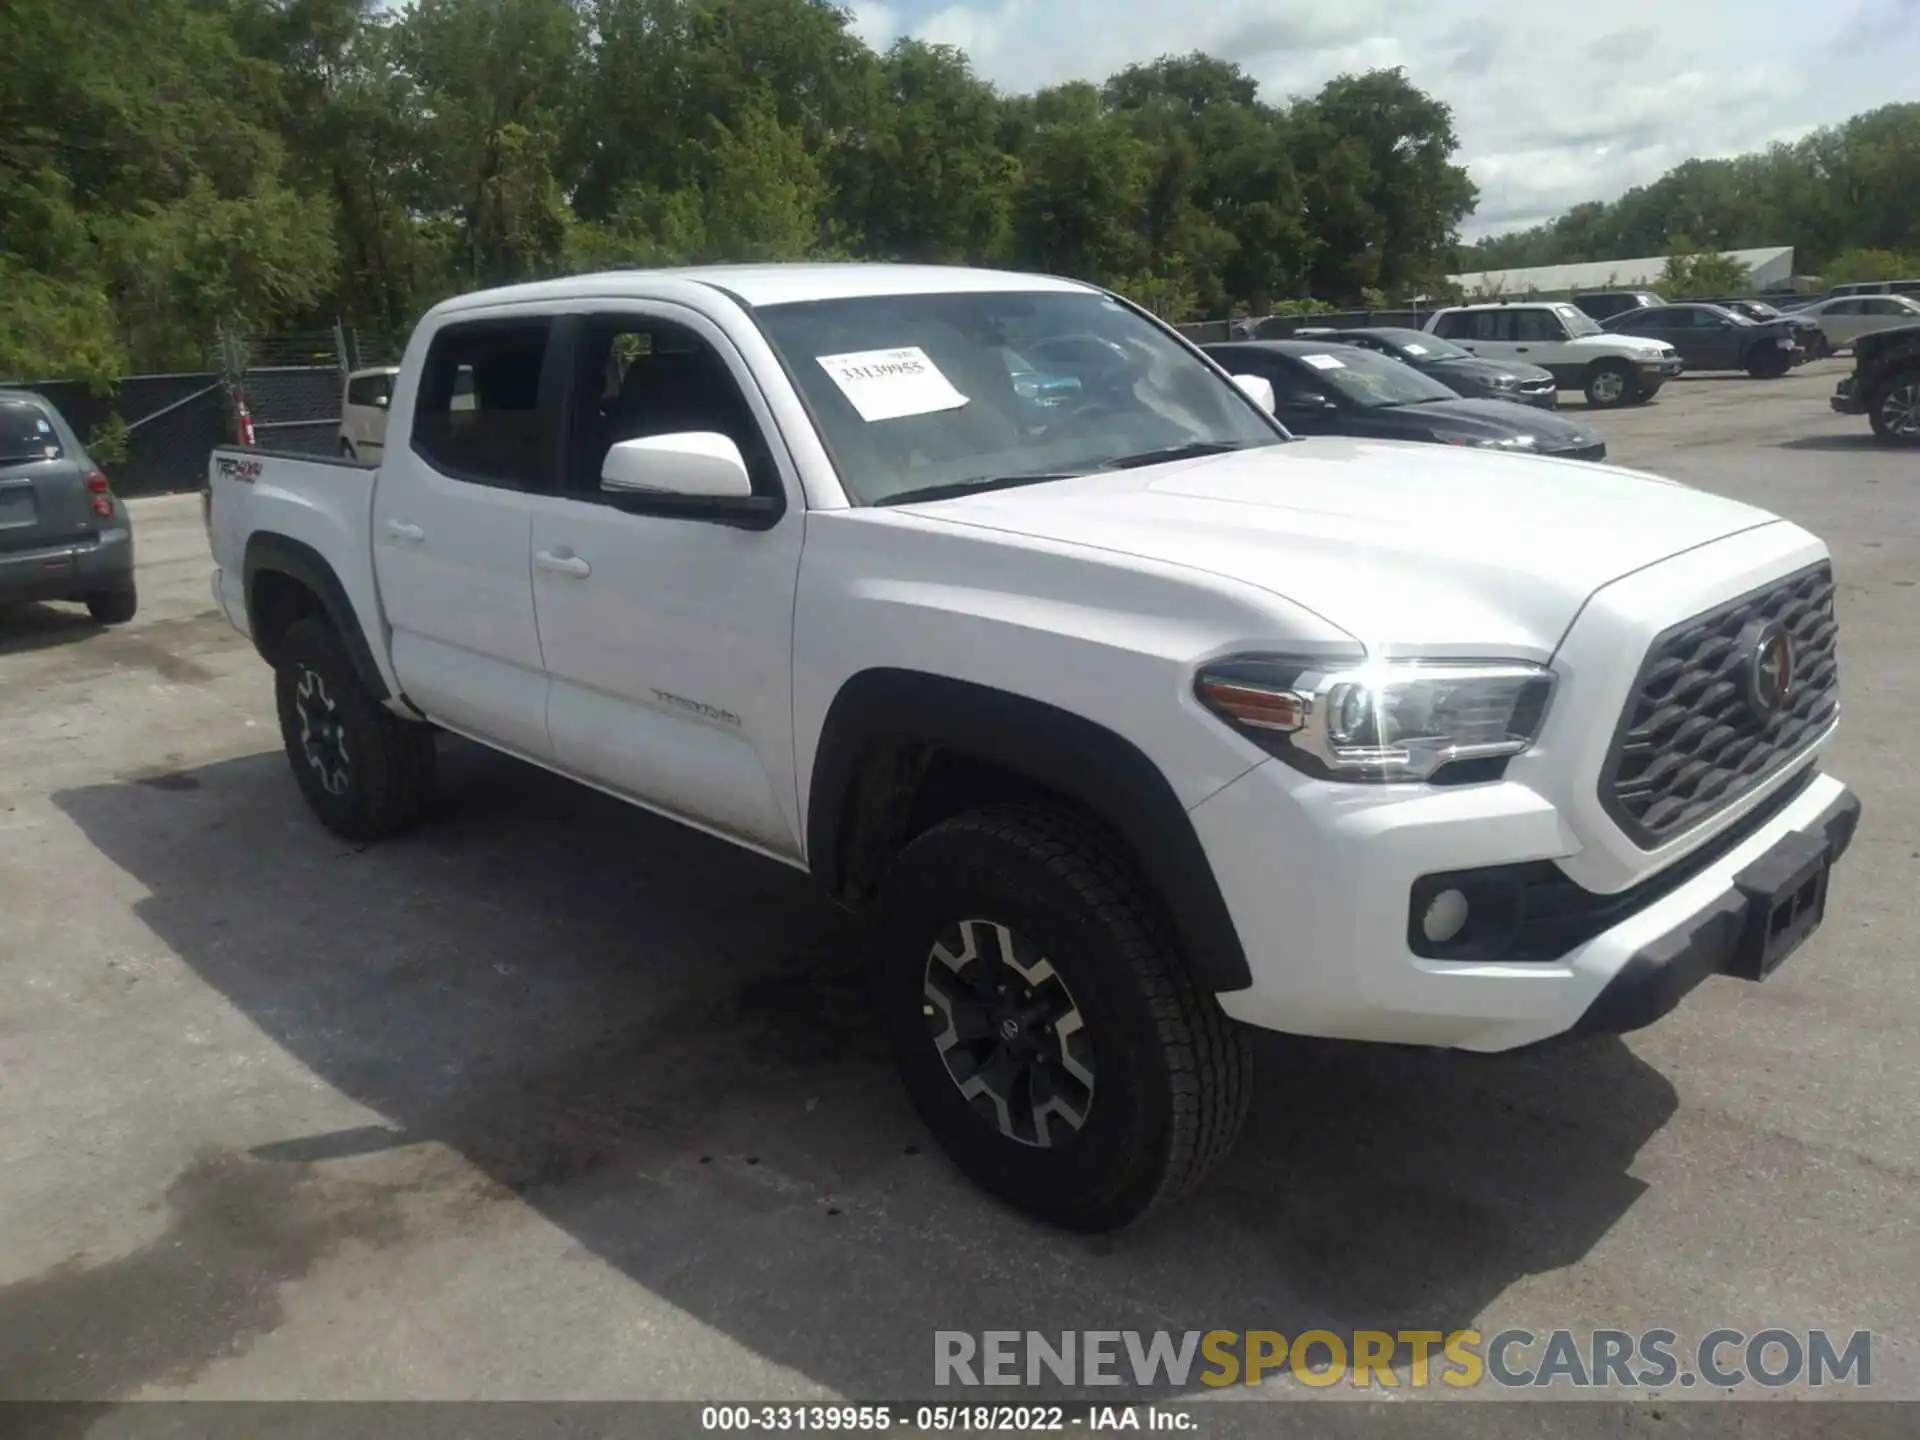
<point x="1895" y="412"/>
<point x="1611" y="383"/>
<point x="1769" y="362"/>
<point x="364" y="771"/>
<point x="1047" y="1030"/>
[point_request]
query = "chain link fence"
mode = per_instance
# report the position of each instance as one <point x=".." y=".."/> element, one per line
<point x="290" y="383"/>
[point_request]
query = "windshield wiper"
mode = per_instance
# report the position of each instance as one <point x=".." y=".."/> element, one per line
<point x="973" y="487"/>
<point x="1191" y="450"/>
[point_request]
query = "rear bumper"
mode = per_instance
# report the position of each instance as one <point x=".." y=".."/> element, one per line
<point x="68" y="572"/>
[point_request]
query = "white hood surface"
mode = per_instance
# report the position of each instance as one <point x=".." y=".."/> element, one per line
<point x="1404" y="546"/>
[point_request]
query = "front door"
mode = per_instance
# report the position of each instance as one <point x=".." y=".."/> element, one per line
<point x="452" y="515"/>
<point x="669" y="638"/>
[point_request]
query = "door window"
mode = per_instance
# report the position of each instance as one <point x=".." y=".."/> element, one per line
<point x="637" y="376"/>
<point x="477" y="417"/>
<point x="370" y="390"/>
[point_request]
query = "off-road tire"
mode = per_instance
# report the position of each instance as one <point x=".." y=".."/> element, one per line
<point x="113" y="607"/>
<point x="1173" y="1075"/>
<point x="390" y="762"/>
<point x="1597" y="387"/>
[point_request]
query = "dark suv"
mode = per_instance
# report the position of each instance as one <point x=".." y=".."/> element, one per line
<point x="1885" y="384"/>
<point x="1603" y="304"/>
<point x="64" y="534"/>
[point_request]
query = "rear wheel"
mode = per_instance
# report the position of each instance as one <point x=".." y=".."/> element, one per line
<point x="364" y="771"/>
<point x="1611" y="383"/>
<point x="113" y="607"/>
<point x="1895" y="412"/>
<point x="1048" y="1032"/>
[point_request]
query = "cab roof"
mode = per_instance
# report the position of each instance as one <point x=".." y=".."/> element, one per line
<point x="772" y="284"/>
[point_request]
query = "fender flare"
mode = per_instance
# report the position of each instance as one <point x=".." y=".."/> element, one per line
<point x="1067" y="753"/>
<point x="283" y="555"/>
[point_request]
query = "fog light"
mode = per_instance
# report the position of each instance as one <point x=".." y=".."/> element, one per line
<point x="1446" y="917"/>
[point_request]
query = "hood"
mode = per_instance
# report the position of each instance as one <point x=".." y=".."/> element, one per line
<point x="1466" y="368"/>
<point x="1409" y="548"/>
<point x="1492" y="419"/>
<point x="1611" y="342"/>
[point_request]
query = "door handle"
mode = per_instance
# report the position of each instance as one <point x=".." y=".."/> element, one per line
<point x="1520" y="349"/>
<point x="401" y="530"/>
<point x="563" y="564"/>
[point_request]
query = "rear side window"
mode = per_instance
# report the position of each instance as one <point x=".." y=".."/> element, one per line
<point x="1476" y="325"/>
<point x="477" y="416"/>
<point x="26" y="433"/>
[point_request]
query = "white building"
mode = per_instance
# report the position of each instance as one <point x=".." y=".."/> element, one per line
<point x="1770" y="268"/>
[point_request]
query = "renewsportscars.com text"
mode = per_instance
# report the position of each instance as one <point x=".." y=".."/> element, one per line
<point x="1724" y="1359"/>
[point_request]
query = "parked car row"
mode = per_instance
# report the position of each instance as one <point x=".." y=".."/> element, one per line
<point x="1326" y="388"/>
<point x="1712" y="337"/>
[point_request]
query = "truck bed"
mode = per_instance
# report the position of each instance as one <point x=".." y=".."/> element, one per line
<point x="318" y="508"/>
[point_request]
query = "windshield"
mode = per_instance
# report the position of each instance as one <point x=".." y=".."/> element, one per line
<point x="26" y="433"/>
<point x="1578" y="321"/>
<point x="1371" y="381"/>
<point x="1422" y="346"/>
<point x="916" y="393"/>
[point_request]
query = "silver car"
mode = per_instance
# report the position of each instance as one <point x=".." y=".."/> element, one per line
<point x="64" y="534"/>
<point x="1845" y="318"/>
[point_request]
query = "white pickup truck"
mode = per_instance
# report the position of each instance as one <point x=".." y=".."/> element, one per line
<point x="1130" y="720"/>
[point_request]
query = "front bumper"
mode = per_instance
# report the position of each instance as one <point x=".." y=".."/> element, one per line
<point x="1323" y="911"/>
<point x="1661" y="371"/>
<point x="69" y="572"/>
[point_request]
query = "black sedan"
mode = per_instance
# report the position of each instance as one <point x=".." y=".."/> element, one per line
<point x="1453" y="367"/>
<point x="1320" y="388"/>
<point x="1712" y="337"/>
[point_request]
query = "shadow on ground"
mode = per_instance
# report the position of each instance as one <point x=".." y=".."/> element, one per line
<point x="1858" y="440"/>
<point x="29" y="627"/>
<point x="661" y="1045"/>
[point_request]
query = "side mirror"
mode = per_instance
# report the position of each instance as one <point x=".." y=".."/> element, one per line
<point x="697" y="464"/>
<point x="1258" y="389"/>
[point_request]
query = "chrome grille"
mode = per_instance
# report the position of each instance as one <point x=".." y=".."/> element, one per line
<point x="1690" y="742"/>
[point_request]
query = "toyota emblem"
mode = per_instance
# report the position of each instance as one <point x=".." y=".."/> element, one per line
<point x="1768" y="665"/>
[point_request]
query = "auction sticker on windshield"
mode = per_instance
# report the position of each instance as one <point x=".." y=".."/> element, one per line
<point x="1323" y="362"/>
<point x="890" y="384"/>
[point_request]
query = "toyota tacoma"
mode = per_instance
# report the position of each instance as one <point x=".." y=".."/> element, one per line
<point x="1130" y="722"/>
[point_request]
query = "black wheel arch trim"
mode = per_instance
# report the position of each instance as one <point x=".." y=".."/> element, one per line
<point x="283" y="555"/>
<point x="1064" y="752"/>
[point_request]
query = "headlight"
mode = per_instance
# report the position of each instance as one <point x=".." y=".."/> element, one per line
<point x="1485" y="442"/>
<point x="1379" y="721"/>
<point x="1502" y="382"/>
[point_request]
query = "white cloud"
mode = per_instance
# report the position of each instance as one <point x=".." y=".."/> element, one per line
<point x="1550" y="113"/>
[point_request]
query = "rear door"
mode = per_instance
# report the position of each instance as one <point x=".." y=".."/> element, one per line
<point x="44" y="505"/>
<point x="452" y="526"/>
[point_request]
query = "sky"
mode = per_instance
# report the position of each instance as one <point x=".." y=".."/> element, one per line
<point x="1554" y="104"/>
